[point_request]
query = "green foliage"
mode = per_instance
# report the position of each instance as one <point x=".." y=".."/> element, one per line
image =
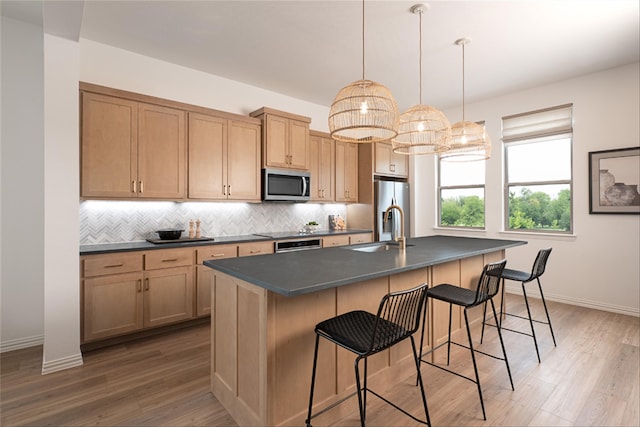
<point x="463" y="212"/>
<point x="527" y="211"/>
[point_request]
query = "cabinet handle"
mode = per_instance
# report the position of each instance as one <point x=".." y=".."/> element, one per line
<point x="170" y="260"/>
<point x="146" y="284"/>
<point x="139" y="285"/>
<point x="216" y="255"/>
<point x="141" y="187"/>
<point x="255" y="251"/>
<point x="113" y="265"/>
<point x="229" y="189"/>
<point x="133" y="186"/>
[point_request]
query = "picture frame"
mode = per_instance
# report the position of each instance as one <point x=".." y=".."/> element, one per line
<point x="614" y="181"/>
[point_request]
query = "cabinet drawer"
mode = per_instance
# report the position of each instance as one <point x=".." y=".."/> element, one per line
<point x="102" y="265"/>
<point x="331" y="241"/>
<point x="216" y="252"/>
<point x="168" y="258"/>
<point x="256" y="248"/>
<point x="356" y="239"/>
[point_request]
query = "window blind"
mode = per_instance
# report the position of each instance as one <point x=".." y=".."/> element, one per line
<point x="540" y="123"/>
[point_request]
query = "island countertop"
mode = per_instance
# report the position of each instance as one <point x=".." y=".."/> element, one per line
<point x="297" y="273"/>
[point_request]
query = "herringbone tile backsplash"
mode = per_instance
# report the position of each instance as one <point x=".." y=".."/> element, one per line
<point x="125" y="221"/>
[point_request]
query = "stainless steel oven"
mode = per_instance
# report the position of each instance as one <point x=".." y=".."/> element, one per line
<point x="297" y="245"/>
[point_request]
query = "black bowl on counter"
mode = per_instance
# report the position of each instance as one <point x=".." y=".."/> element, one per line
<point x="169" y="234"/>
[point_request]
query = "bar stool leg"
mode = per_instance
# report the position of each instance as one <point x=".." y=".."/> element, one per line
<point x="533" y="331"/>
<point x="359" y="390"/>
<point x="504" y="353"/>
<point x="475" y="367"/>
<point x="313" y="381"/>
<point x="484" y="320"/>
<point x="546" y="312"/>
<point x="364" y="391"/>
<point x="419" y="379"/>
<point x="449" y="337"/>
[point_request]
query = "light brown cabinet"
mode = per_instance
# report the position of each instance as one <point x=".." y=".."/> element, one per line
<point x="156" y="290"/>
<point x="356" y="239"/>
<point x="389" y="163"/>
<point x="322" y="166"/>
<point x="332" y="241"/>
<point x="346" y="172"/>
<point x="256" y="248"/>
<point x="224" y="158"/>
<point x="285" y="139"/>
<point x="131" y="149"/>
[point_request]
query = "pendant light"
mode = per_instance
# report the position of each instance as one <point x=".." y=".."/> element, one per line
<point x="469" y="141"/>
<point x="363" y="111"/>
<point x="423" y="129"/>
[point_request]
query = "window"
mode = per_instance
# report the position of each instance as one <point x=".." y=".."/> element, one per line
<point x="538" y="173"/>
<point x="461" y="190"/>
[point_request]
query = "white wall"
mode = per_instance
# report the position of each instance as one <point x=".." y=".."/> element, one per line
<point x="598" y="266"/>
<point x="22" y="169"/>
<point x="61" y="231"/>
<point x="108" y="66"/>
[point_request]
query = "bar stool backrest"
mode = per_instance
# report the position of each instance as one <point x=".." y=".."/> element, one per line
<point x="540" y="264"/>
<point x="489" y="281"/>
<point x="398" y="317"/>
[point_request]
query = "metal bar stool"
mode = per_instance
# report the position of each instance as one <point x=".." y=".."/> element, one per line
<point x="522" y="276"/>
<point x="365" y="334"/>
<point x="488" y="286"/>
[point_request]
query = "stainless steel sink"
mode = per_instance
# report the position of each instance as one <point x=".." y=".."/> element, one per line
<point x="376" y="247"/>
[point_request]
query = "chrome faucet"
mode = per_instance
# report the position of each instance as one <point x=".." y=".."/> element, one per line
<point x="400" y="239"/>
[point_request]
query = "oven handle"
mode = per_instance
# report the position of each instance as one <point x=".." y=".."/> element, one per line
<point x="304" y="185"/>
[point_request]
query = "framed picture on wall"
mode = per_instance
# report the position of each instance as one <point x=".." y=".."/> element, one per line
<point x="614" y="181"/>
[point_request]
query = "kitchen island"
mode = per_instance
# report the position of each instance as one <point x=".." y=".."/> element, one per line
<point x="265" y="308"/>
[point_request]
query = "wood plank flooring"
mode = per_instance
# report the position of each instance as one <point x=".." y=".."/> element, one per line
<point x="591" y="378"/>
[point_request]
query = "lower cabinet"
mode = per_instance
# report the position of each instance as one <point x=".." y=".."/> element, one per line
<point x="112" y="305"/>
<point x="168" y="296"/>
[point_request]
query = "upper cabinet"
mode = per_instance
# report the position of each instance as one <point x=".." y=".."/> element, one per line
<point x="224" y="158"/>
<point x="285" y="139"/>
<point x="131" y="149"/>
<point x="322" y="166"/>
<point x="346" y="172"/>
<point x="389" y="163"/>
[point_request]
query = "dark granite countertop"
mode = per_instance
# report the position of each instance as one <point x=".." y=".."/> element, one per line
<point x="297" y="273"/>
<point x="105" y="248"/>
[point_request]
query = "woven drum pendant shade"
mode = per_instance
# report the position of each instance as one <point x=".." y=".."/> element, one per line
<point x="363" y="111"/>
<point x="423" y="129"/>
<point x="469" y="142"/>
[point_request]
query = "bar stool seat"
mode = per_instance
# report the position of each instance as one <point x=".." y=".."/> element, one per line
<point x="365" y="334"/>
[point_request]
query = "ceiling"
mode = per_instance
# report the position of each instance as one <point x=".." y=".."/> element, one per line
<point x="310" y="49"/>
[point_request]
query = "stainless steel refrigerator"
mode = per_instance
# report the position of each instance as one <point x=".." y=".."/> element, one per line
<point x="387" y="193"/>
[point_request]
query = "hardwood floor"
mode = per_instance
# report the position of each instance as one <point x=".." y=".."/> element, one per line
<point x="591" y="378"/>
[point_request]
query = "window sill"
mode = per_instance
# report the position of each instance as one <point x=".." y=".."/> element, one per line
<point x="552" y="236"/>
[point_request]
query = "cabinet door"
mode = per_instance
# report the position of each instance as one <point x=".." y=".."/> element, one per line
<point x="315" y="167"/>
<point x="112" y="305"/>
<point x="327" y="168"/>
<point x="346" y="172"/>
<point x="243" y="161"/>
<point x="389" y="163"/>
<point x="276" y="141"/>
<point x="168" y="296"/>
<point x="109" y="147"/>
<point x="207" y="157"/>
<point x="298" y="145"/>
<point x="161" y="152"/>
<point x="204" y="281"/>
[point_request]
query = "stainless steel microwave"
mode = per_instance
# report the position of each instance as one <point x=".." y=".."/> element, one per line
<point x="285" y="185"/>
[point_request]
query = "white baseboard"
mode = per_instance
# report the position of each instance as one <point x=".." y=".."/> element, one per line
<point x="21" y="343"/>
<point x="629" y="311"/>
<point x="61" y="364"/>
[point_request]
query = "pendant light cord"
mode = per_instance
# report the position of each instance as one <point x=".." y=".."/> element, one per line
<point x="463" y="82"/>
<point x="362" y="39"/>
<point x="420" y="57"/>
